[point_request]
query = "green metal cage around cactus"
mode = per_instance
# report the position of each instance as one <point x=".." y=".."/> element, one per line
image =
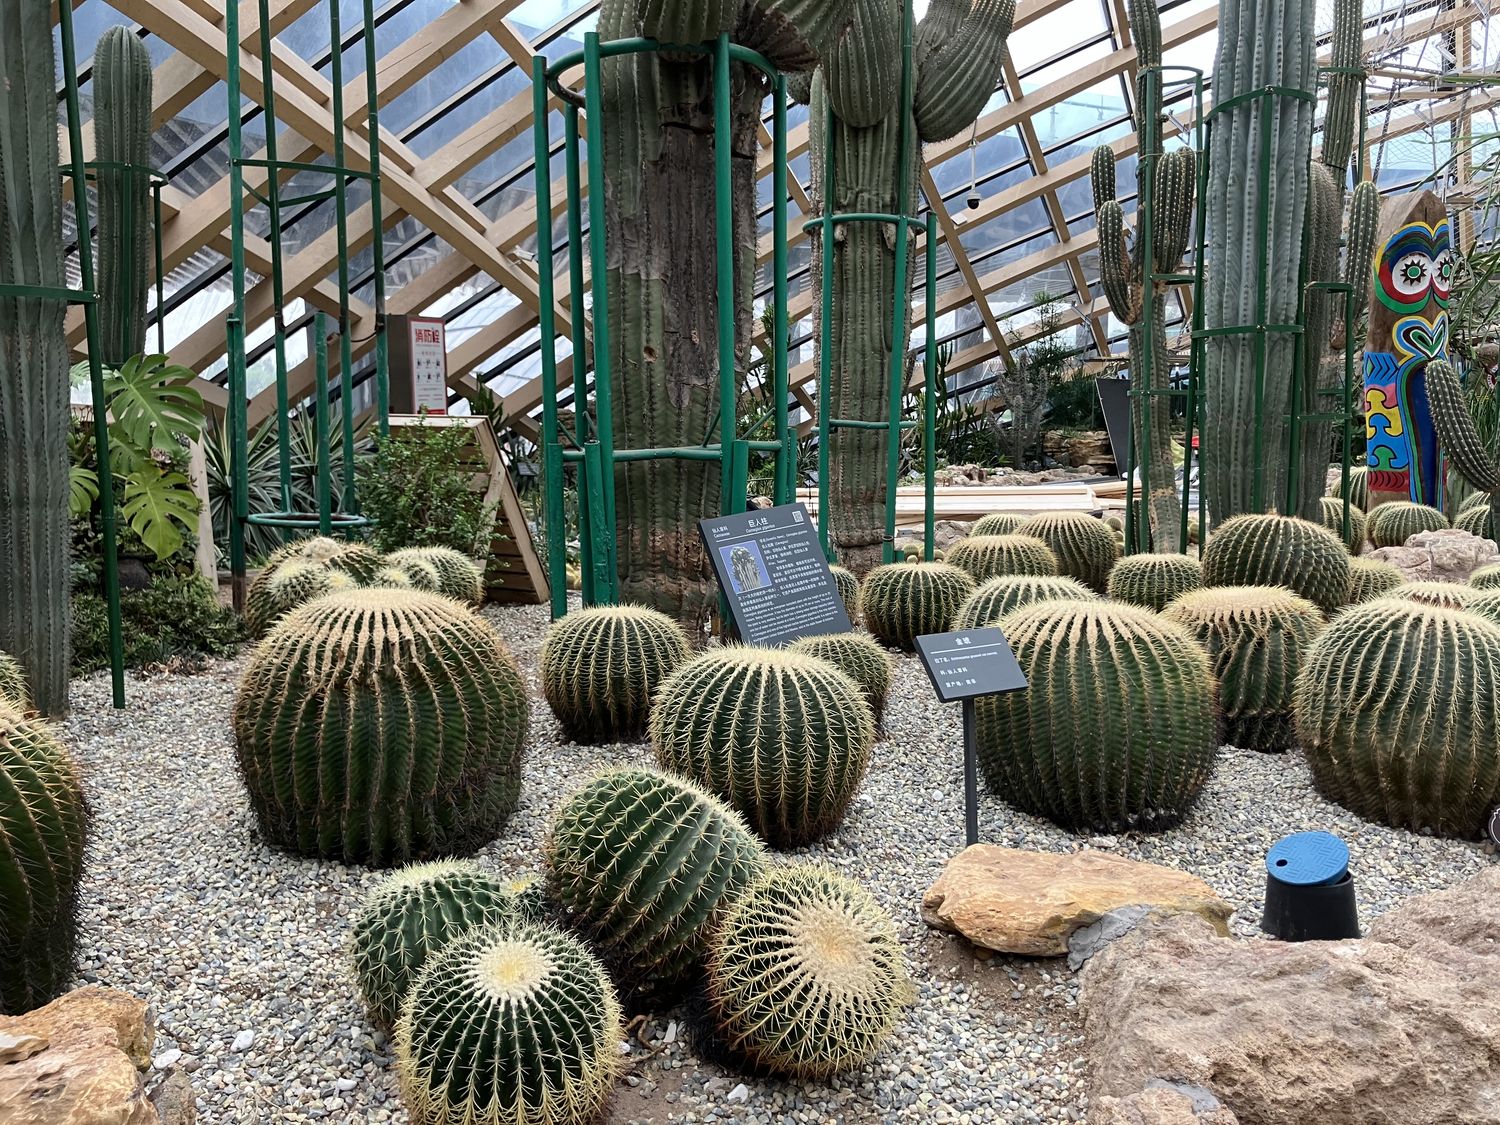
<point x="859" y="657"/>
<point x="993" y="556"/>
<point x="999" y="596"/>
<point x="1371" y="578"/>
<point x="1271" y="550"/>
<point x="1392" y="524"/>
<point x="1153" y="581"/>
<point x="903" y="601"/>
<point x="1085" y="549"/>
<point x="381" y="726"/>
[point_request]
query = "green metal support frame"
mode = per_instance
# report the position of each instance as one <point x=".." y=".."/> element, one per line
<point x="593" y="452"/>
<point x="86" y="295"/>
<point x="329" y="517"/>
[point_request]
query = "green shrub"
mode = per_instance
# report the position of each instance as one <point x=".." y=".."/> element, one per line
<point x="416" y="488"/>
<point x="177" y="621"/>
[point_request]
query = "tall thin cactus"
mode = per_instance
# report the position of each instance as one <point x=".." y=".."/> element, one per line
<point x="122" y="147"/>
<point x="1459" y="438"/>
<point x="33" y="360"/>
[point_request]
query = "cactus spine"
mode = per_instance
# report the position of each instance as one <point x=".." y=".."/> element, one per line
<point x="1370" y="579"/>
<point x="1279" y="551"/>
<point x="1392" y="524"/>
<point x="34" y="413"/>
<point x="1459" y="438"/>
<point x="991" y="556"/>
<point x="1154" y="580"/>
<point x="859" y="657"/>
<point x="902" y="601"/>
<point x="122" y="136"/>
<point x="999" y="596"/>
<point x="1085" y="548"/>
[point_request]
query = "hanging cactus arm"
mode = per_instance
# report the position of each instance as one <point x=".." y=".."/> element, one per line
<point x="1116" y="274"/>
<point x="1455" y="428"/>
<point x="1102" y="175"/>
<point x="959" y="73"/>
<point x="863" y="70"/>
<point x="795" y="34"/>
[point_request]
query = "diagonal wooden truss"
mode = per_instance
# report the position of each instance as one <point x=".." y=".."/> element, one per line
<point x="486" y="252"/>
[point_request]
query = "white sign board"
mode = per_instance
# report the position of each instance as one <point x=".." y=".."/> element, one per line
<point x="427" y="339"/>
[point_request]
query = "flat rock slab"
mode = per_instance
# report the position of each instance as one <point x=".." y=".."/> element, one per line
<point x="1031" y="903"/>
<point x="1401" y="1027"/>
<point x="1448" y="555"/>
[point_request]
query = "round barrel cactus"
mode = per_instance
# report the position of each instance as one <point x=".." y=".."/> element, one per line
<point x="859" y="657"/>
<point x="457" y="576"/>
<point x="1154" y="580"/>
<point x="1371" y="578"/>
<point x="1392" y="524"/>
<point x="782" y="737"/>
<point x="903" y="601"/>
<point x="991" y="556"/>
<point x="418" y="572"/>
<point x="1256" y="637"/>
<point x="507" y="1025"/>
<point x="391" y="577"/>
<point x="43" y="820"/>
<point x="1486" y="577"/>
<point x="1446" y="595"/>
<point x="997" y="597"/>
<point x="1476" y="521"/>
<point x="1333" y="520"/>
<point x="848" y="587"/>
<point x="1486" y="604"/>
<point x="644" y="864"/>
<point x="381" y="726"/>
<point x="601" y="668"/>
<point x="1271" y="550"/>
<point x="1117" y="728"/>
<point x="1359" y="487"/>
<point x="413" y="913"/>
<point x="358" y="560"/>
<point x="1085" y="548"/>
<point x="13" y="683"/>
<point x="997" y="523"/>
<point x="1398" y="713"/>
<point x="291" y="584"/>
<point x="807" y="977"/>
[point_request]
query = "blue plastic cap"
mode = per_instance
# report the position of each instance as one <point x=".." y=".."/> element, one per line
<point x="1308" y="859"/>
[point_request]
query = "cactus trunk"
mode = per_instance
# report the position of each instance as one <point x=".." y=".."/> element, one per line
<point x="122" y="136"/>
<point x="34" y="537"/>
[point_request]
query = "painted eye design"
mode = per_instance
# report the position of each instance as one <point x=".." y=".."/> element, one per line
<point x="1442" y="276"/>
<point x="1410" y="274"/>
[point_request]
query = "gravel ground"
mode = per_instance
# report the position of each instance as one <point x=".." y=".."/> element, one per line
<point x="241" y="948"/>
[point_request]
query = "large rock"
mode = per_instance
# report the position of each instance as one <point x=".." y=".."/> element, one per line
<point x="1033" y="902"/>
<point x="1401" y="1027"/>
<point x="1162" y="1103"/>
<point x="1449" y="555"/>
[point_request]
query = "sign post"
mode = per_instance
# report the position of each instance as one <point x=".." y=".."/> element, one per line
<point x="963" y="667"/>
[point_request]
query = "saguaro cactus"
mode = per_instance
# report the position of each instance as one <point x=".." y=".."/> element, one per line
<point x="958" y="49"/>
<point x="122" y="136"/>
<point x="33" y="361"/>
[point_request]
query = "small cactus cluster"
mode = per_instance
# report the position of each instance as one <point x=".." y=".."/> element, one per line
<point x="13" y="683"/>
<point x="601" y="668"/>
<point x="1392" y="524"/>
<point x="1444" y="595"/>
<point x="43" y="822"/>
<point x="381" y="726"/>
<point x="993" y="556"/>
<point x="807" y="977"/>
<point x="457" y="576"/>
<point x="997" y="597"/>
<point x="902" y="602"/>
<point x="997" y="523"/>
<point x="1271" y="550"/>
<point x="859" y="657"/>
<point x="1359" y="488"/>
<point x="293" y="583"/>
<point x="847" y="585"/>
<point x="1371" y="578"/>
<point x="413" y="913"/>
<point x="1084" y="547"/>
<point x="1117" y="729"/>
<point x="1486" y="577"/>
<point x="1256" y="637"/>
<point x="1154" y="580"/>
<point x="783" y="737"/>
<point x="1333" y="520"/>
<point x="1398" y="715"/>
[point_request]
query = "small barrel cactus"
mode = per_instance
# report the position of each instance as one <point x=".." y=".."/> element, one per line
<point x="1446" y="595"/>
<point x="997" y="523"/>
<point x="1474" y="500"/>
<point x="997" y="597"/>
<point x="358" y="560"/>
<point x="1154" y="580"/>
<point x="1085" y="548"/>
<point x="601" y="668"/>
<point x="1271" y="550"/>
<point x="1117" y="729"/>
<point x="993" y="556"/>
<point x="418" y="572"/>
<point x="902" y="602"/>
<point x="381" y="726"/>
<point x="807" y="977"/>
<point x="290" y="585"/>
<point x="1333" y="520"/>
<point x="509" y="1024"/>
<point x="1359" y="487"/>
<point x="1371" y="578"/>
<point x="859" y="657"/>
<point x="1486" y="604"/>
<point x="1476" y="521"/>
<point x="1398" y="714"/>
<point x="13" y="683"/>
<point x="1391" y="525"/>
<point x="413" y="913"/>
<point x="1256" y="637"/>
<point x="391" y="577"/>
<point x="644" y="864"/>
<point x="458" y="576"/>
<point x="1486" y="577"/>
<point x="848" y="587"/>
<point x="43" y="820"/>
<point x="782" y="737"/>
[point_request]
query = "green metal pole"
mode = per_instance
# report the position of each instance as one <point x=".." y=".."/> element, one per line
<point x="552" y="466"/>
<point x="377" y="226"/>
<point x="739" y="476"/>
<point x="320" y="416"/>
<point x="347" y="502"/>
<point x="580" y="337"/>
<point x="902" y="296"/>
<point x="786" y="462"/>
<point x="929" y="399"/>
<point x="273" y="204"/>
<point x="605" y="582"/>
<point x="825" y="334"/>
<point x="161" y="275"/>
<point x="724" y="260"/>
<point x="599" y="267"/>
<point x="235" y="326"/>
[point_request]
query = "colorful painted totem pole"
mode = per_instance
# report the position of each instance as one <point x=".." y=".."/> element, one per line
<point x="1408" y="330"/>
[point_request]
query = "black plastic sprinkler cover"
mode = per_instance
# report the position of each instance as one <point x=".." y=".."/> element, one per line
<point x="1309" y="891"/>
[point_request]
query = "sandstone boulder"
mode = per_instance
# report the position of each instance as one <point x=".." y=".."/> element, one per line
<point x="1449" y="555"/>
<point x="1032" y="903"/>
<point x="1401" y="1027"/>
<point x="1162" y="1103"/>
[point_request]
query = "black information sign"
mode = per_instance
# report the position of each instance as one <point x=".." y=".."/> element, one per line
<point x="964" y="666"/>
<point x="771" y="568"/>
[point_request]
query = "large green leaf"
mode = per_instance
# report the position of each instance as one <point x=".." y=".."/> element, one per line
<point x="159" y="506"/>
<point x="83" y="491"/>
<point x="153" y="403"/>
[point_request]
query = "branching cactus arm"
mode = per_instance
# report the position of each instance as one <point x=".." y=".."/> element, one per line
<point x="958" y="63"/>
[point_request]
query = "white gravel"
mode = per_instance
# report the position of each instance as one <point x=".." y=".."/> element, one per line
<point x="240" y="948"/>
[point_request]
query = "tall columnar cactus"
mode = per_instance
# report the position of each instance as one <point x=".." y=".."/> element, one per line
<point x="1391" y="525"/>
<point x="903" y="601"/>
<point x="807" y="977"/>
<point x="784" y="738"/>
<point x="34" y="538"/>
<point x="645" y="865"/>
<point x="1066" y="749"/>
<point x="1371" y="578"/>
<point x="999" y="596"/>
<point x="857" y="655"/>
<point x="1085" y="548"/>
<point x="1397" y="715"/>
<point x="958" y="49"/>
<point x="991" y="556"/>
<point x="1279" y="551"/>
<point x="13" y="683"/>
<point x="509" y="1025"/>
<point x="42" y="827"/>
<point x="381" y="726"/>
<point x="122" y="136"/>
<point x="1460" y="440"/>
<point x="658" y="131"/>
<point x="1154" y="580"/>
